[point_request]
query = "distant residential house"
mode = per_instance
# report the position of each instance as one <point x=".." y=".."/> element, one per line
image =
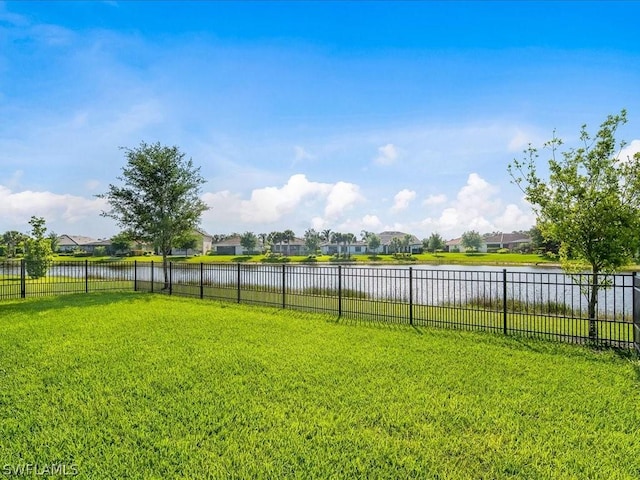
<point x="203" y="246"/>
<point x="359" y="246"/>
<point x="456" y="244"/>
<point x="506" y="240"/>
<point x="297" y="246"/>
<point x="71" y="243"/>
<point x="386" y="239"/>
<point x="356" y="247"/>
<point x="228" y="246"/>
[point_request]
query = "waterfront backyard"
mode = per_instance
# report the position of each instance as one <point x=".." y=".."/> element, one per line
<point x="137" y="385"/>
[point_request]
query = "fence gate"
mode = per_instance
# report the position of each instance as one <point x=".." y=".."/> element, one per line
<point x="636" y="311"/>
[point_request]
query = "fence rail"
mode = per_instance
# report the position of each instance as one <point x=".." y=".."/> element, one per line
<point x="542" y="304"/>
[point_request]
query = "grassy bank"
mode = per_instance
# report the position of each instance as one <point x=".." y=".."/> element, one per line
<point x="134" y="385"/>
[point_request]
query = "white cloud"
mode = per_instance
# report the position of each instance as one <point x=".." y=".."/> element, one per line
<point x="388" y="154"/>
<point x="371" y="221"/>
<point x="57" y="209"/>
<point x="402" y="200"/>
<point x="435" y="200"/>
<point x="298" y="197"/>
<point x="342" y="197"/>
<point x="630" y="150"/>
<point x="478" y="207"/>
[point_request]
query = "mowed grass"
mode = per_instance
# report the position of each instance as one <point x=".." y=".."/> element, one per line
<point x="148" y="386"/>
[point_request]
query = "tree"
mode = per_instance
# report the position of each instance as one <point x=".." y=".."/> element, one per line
<point x="396" y="245"/>
<point x="186" y="242"/>
<point x="406" y="244"/>
<point x="38" y="252"/>
<point x="249" y="240"/>
<point x="121" y="243"/>
<point x="275" y="238"/>
<point x="373" y="243"/>
<point x="590" y="204"/>
<point x="160" y="198"/>
<point x="53" y="238"/>
<point x="12" y="240"/>
<point x="263" y="241"/>
<point x="325" y="235"/>
<point x="471" y="241"/>
<point x="541" y="244"/>
<point x="288" y="236"/>
<point x="312" y="240"/>
<point x="434" y="243"/>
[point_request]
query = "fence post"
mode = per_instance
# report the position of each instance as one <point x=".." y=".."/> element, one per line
<point x="339" y="291"/>
<point x="410" y="295"/>
<point x="170" y="278"/>
<point x="284" y="287"/>
<point x="86" y="276"/>
<point x="23" y="279"/>
<point x="238" y="284"/>
<point x="152" y="276"/>
<point x="636" y="312"/>
<point x="135" y="275"/>
<point x="504" y="301"/>
<point x="201" y="280"/>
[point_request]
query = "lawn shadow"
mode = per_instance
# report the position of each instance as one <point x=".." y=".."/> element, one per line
<point x="34" y="305"/>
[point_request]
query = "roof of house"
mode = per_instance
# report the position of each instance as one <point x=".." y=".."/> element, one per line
<point x="387" y="236"/>
<point x="64" y="240"/>
<point x="507" y="238"/>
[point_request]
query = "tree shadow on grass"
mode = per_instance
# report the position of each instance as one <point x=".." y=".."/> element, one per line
<point x="35" y="305"/>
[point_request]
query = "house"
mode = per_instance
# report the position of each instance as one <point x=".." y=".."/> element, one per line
<point x="386" y="241"/>
<point x="355" y="247"/>
<point x="456" y="245"/>
<point x="297" y="246"/>
<point x="228" y="246"/>
<point x="511" y="241"/>
<point x="204" y="245"/>
<point x="386" y="245"/>
<point x="71" y="243"/>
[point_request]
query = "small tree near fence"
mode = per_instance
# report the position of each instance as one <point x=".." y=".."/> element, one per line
<point x="590" y="204"/>
<point x="38" y="251"/>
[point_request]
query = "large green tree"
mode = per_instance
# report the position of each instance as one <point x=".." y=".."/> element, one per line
<point x="590" y="203"/>
<point x="159" y="199"/>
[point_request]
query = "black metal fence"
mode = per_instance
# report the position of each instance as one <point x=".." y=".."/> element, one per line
<point x="546" y="304"/>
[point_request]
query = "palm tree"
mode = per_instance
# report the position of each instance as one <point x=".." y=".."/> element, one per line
<point x="312" y="240"/>
<point x="263" y="240"/>
<point x="326" y="235"/>
<point x="288" y="236"/>
<point x="274" y="238"/>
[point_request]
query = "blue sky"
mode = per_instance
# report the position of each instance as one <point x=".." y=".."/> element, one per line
<point x="340" y="115"/>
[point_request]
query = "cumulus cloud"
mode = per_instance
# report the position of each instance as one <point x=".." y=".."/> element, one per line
<point x="402" y="200"/>
<point x="478" y="207"/>
<point x="342" y="197"/>
<point x="272" y="204"/>
<point x="435" y="200"/>
<point x="388" y="154"/>
<point x="18" y="207"/>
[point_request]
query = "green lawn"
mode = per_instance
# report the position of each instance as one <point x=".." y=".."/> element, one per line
<point x="142" y="386"/>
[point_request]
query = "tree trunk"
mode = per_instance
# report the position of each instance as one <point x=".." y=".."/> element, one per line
<point x="593" y="303"/>
<point x="165" y="270"/>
